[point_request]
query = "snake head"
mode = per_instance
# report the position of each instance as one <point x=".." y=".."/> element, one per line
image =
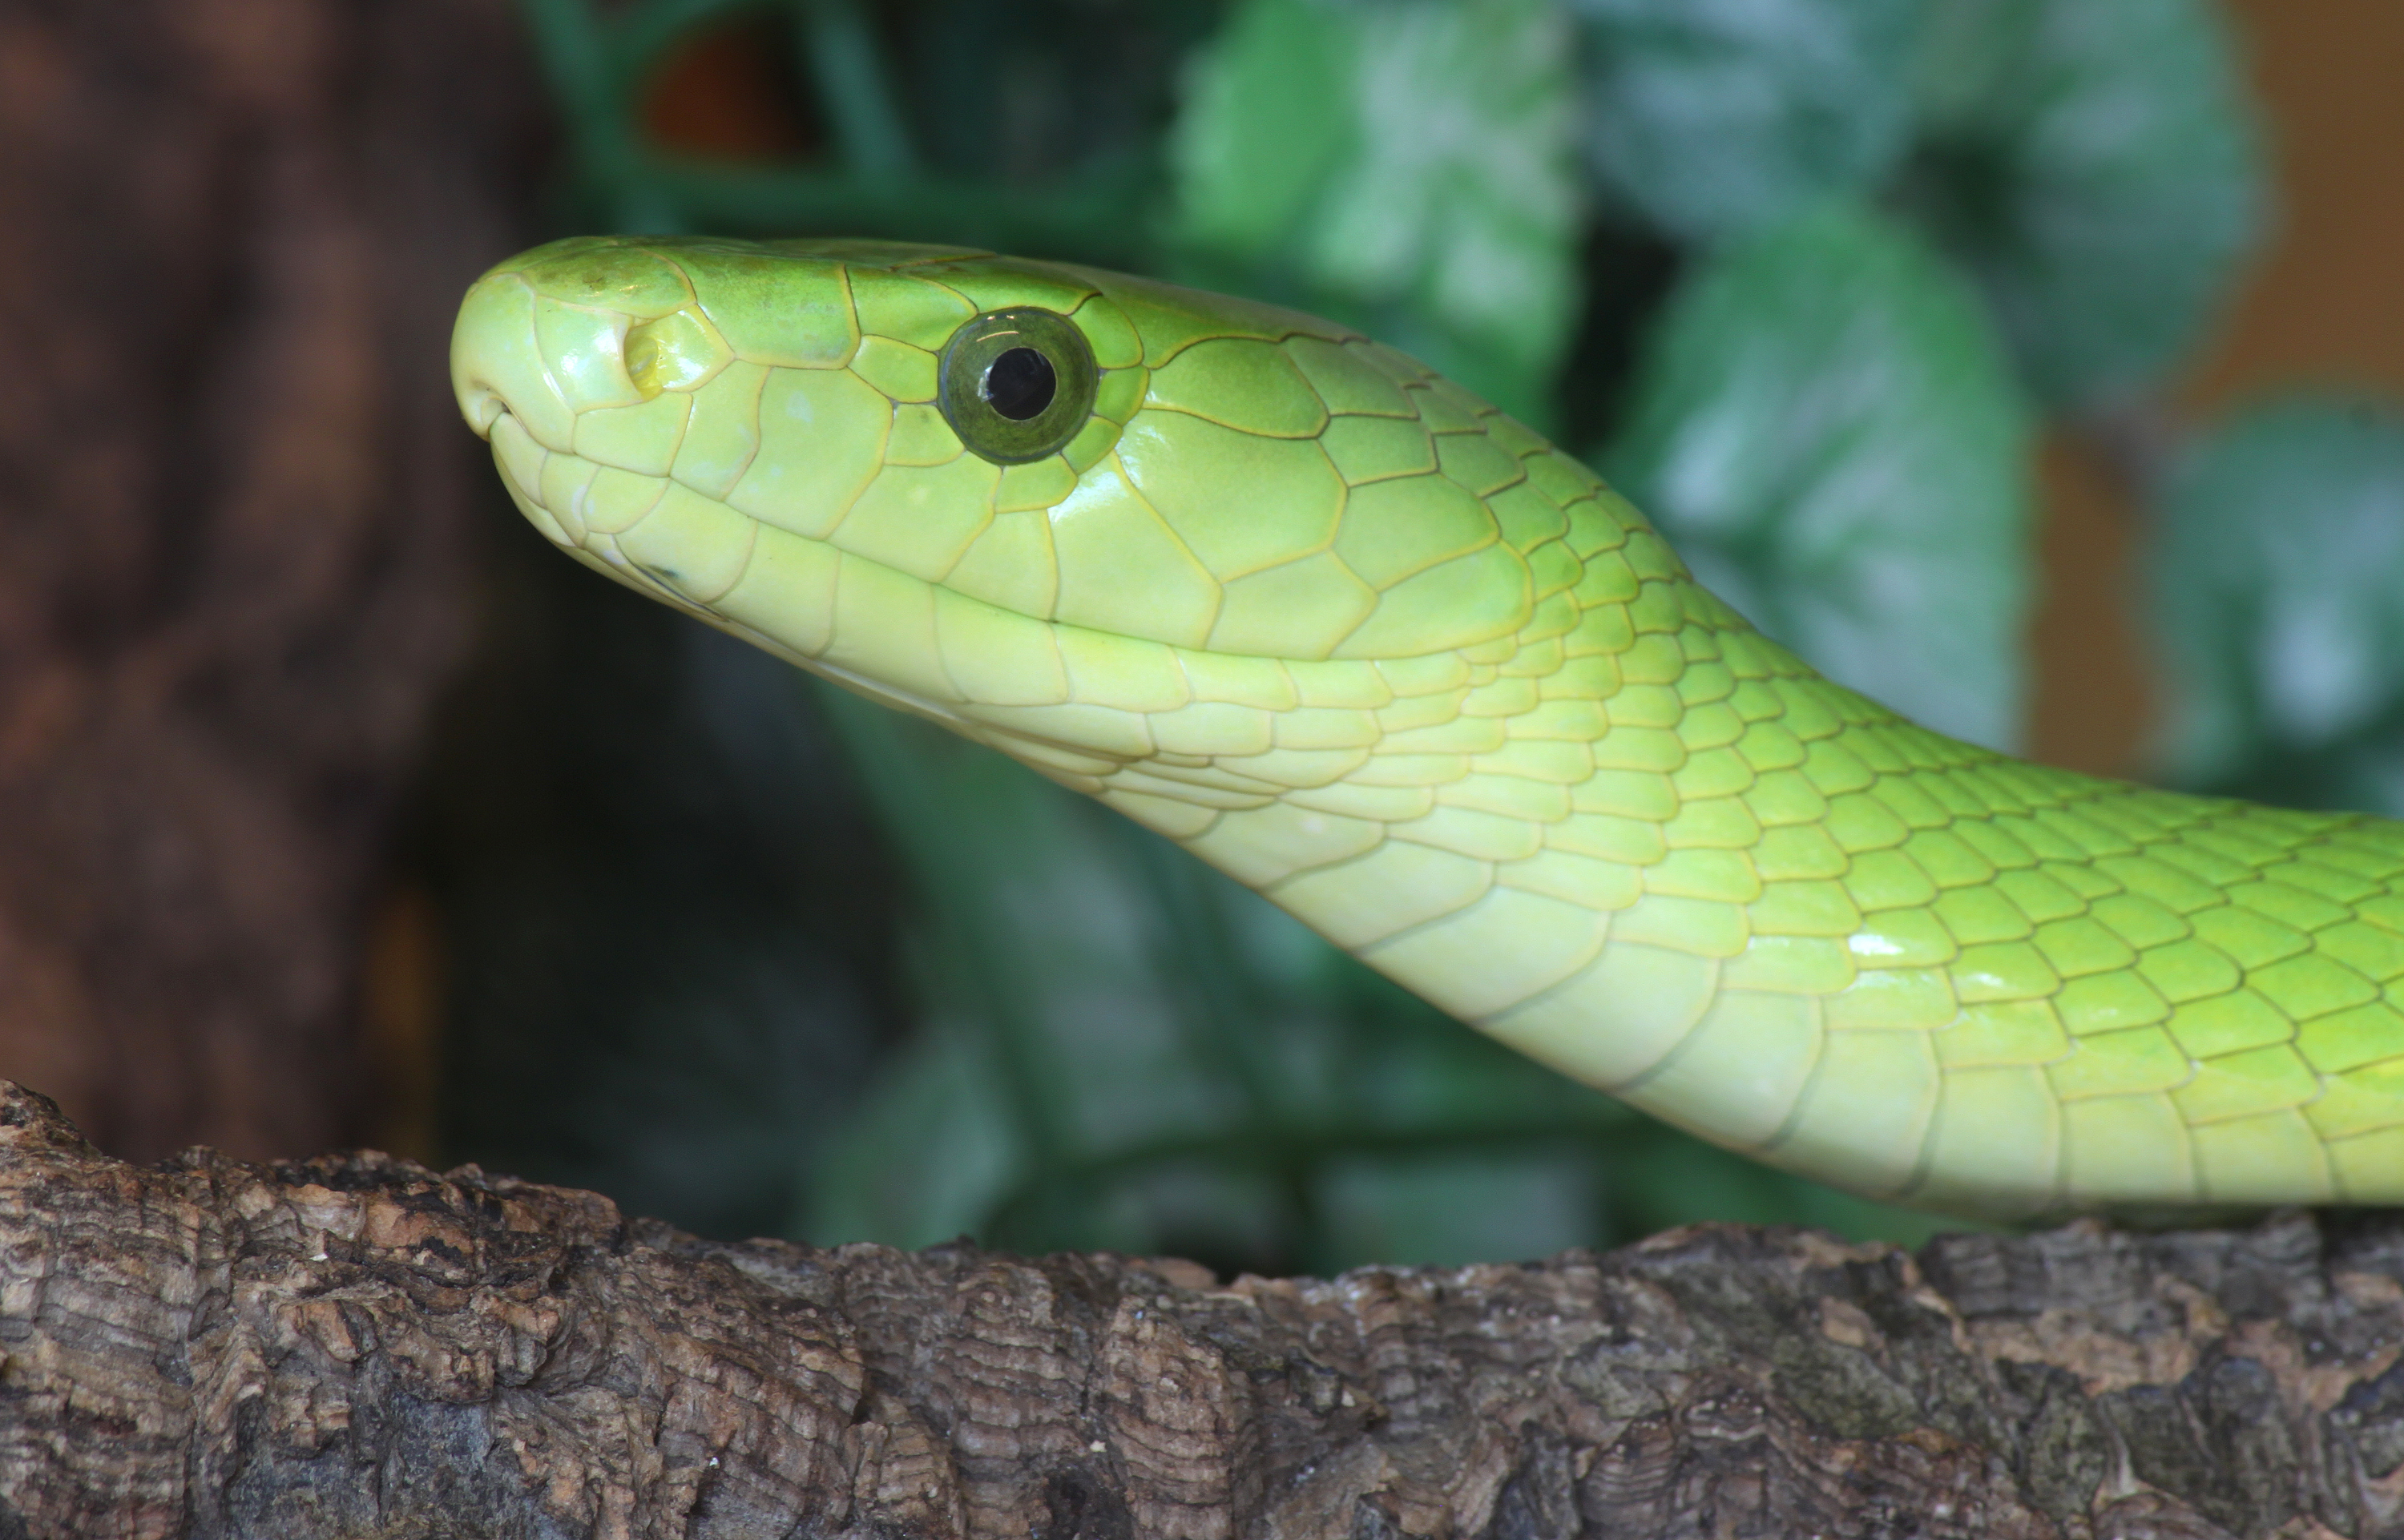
<point x="1034" y="500"/>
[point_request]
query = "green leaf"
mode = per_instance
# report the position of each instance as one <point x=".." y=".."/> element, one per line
<point x="1713" y="116"/>
<point x="1265" y="125"/>
<point x="1824" y="428"/>
<point x="2279" y="581"/>
<point x="2099" y="167"/>
<point x="925" y="1155"/>
<point x="1412" y="157"/>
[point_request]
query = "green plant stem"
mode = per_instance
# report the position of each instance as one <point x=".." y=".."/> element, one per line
<point x="910" y="807"/>
<point x="840" y="55"/>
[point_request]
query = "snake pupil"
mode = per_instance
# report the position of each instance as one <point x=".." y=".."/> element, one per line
<point x="1019" y="384"/>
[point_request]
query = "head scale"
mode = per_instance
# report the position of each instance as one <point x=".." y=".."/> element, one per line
<point x="1024" y="497"/>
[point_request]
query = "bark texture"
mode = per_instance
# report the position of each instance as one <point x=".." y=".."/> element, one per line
<point x="356" y="1346"/>
<point x="234" y="511"/>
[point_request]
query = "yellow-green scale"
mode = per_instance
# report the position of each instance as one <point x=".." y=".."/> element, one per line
<point x="1348" y="634"/>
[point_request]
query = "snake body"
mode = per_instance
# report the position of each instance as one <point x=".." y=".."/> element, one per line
<point x="1346" y="632"/>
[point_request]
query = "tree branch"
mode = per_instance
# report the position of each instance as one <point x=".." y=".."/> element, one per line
<point x="356" y="1346"/>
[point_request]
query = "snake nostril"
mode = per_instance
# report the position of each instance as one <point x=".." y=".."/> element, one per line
<point x="482" y="407"/>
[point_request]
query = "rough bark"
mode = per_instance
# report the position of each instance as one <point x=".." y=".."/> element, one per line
<point x="356" y="1346"/>
<point x="233" y="503"/>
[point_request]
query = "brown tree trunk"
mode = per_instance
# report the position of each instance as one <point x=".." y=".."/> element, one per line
<point x="233" y="510"/>
<point x="356" y="1346"/>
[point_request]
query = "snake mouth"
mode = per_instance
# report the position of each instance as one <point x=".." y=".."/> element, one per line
<point x="520" y="458"/>
<point x="482" y="406"/>
<point x="567" y="523"/>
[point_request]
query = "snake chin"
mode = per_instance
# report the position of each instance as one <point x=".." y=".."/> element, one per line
<point x="861" y="684"/>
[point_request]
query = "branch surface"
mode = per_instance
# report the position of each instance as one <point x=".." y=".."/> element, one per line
<point x="356" y="1346"/>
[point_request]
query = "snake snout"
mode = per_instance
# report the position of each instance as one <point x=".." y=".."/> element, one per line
<point x="502" y="362"/>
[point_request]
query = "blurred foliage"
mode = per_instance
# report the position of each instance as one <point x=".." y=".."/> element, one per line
<point x="1406" y="168"/>
<point x="2278" y="588"/>
<point x="670" y="929"/>
<point x="2095" y="165"/>
<point x="1824" y="428"/>
<point x="1801" y="272"/>
<point x="1709" y="117"/>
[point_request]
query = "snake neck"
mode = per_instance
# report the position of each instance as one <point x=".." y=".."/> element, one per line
<point x="1645" y="845"/>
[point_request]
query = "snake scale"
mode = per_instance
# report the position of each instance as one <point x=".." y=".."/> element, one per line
<point x="1347" y="632"/>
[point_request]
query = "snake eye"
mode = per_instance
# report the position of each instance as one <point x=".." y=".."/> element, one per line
<point x="1017" y="384"/>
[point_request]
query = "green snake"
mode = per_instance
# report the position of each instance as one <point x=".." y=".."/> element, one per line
<point x="1345" y="631"/>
